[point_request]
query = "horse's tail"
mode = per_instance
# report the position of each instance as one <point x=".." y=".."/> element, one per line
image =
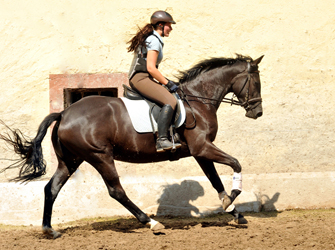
<point x="31" y="163"/>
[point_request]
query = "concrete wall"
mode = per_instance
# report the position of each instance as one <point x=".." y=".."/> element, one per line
<point x="287" y="155"/>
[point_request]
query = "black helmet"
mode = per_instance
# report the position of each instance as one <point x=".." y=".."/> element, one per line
<point x="161" y="16"/>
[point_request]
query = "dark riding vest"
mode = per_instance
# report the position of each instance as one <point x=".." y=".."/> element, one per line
<point x="139" y="63"/>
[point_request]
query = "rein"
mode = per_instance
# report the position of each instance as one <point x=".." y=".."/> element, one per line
<point x="247" y="104"/>
<point x="225" y="100"/>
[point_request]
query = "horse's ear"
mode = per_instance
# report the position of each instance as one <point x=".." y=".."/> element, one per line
<point x="258" y="60"/>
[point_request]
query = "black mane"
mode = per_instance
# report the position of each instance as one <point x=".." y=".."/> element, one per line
<point x="209" y="64"/>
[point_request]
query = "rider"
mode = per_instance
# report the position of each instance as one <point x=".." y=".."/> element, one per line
<point x="145" y="77"/>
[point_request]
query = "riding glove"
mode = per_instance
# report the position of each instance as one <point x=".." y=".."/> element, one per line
<point x="172" y="86"/>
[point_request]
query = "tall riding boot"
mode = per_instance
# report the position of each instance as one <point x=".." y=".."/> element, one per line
<point x="164" y="121"/>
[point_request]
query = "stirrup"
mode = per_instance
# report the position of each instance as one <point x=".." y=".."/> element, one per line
<point x="175" y="140"/>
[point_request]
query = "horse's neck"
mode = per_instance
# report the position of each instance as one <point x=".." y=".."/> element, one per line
<point x="211" y="85"/>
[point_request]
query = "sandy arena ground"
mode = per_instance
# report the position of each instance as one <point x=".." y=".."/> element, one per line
<point x="302" y="229"/>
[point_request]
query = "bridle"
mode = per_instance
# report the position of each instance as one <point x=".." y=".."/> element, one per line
<point x="248" y="104"/>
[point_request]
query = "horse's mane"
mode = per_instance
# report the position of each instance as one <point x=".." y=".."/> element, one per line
<point x="209" y="64"/>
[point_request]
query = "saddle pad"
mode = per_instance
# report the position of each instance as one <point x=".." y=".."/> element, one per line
<point x="139" y="114"/>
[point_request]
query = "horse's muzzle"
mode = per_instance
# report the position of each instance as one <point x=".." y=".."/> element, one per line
<point x="255" y="112"/>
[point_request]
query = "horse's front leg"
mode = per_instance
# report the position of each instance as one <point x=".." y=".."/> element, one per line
<point x="206" y="154"/>
<point x="211" y="173"/>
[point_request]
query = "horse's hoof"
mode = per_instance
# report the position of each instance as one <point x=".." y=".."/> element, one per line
<point x="226" y="202"/>
<point x="241" y="220"/>
<point x="48" y="231"/>
<point x="155" y="225"/>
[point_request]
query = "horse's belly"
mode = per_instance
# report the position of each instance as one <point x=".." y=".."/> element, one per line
<point x="147" y="157"/>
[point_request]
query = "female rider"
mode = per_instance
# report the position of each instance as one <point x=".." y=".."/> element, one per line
<point x="145" y="77"/>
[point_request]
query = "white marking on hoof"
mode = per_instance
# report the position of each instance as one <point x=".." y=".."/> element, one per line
<point x="230" y="208"/>
<point x="155" y="225"/>
<point x="50" y="232"/>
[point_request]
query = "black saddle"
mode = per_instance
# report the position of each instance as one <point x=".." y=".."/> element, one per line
<point x="131" y="93"/>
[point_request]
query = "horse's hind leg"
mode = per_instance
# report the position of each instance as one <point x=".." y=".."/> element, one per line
<point x="51" y="190"/>
<point x="116" y="191"/>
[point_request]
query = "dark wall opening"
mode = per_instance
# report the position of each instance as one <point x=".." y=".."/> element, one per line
<point x="72" y="95"/>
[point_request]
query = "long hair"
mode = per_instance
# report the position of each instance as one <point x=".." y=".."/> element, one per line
<point x="31" y="162"/>
<point x="139" y="38"/>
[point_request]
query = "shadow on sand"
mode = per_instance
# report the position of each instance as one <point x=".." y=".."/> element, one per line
<point x="175" y="211"/>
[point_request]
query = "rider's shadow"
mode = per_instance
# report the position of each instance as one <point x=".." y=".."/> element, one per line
<point x="176" y="198"/>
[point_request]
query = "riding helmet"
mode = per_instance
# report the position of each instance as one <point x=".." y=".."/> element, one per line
<point x="161" y="16"/>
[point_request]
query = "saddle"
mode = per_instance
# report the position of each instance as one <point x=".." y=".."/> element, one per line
<point x="144" y="113"/>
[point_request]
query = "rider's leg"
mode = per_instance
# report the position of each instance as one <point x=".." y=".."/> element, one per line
<point x="164" y="121"/>
<point x="148" y="87"/>
<point x="153" y="90"/>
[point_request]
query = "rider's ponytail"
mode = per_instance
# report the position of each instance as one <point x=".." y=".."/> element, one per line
<point x="139" y="38"/>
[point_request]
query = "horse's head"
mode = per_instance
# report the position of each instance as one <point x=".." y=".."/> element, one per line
<point x="247" y="87"/>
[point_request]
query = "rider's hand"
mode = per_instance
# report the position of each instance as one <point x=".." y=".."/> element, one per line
<point x="172" y="86"/>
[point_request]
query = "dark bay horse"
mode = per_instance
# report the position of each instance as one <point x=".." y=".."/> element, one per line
<point x="98" y="130"/>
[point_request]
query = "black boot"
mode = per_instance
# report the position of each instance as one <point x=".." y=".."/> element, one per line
<point x="164" y="121"/>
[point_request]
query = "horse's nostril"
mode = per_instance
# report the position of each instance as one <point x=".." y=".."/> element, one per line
<point x="259" y="114"/>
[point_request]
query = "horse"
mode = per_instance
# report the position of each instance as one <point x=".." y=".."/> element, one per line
<point x="98" y="130"/>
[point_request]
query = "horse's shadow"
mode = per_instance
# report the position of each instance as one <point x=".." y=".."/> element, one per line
<point x="263" y="206"/>
<point x="175" y="200"/>
<point x="122" y="225"/>
<point x="267" y="203"/>
<point x="175" y="211"/>
<point x="131" y="225"/>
